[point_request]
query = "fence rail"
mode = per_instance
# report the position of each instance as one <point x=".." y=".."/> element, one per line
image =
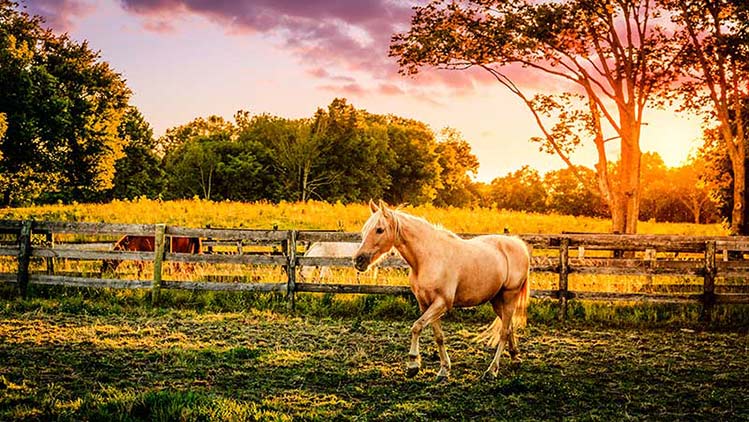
<point x="707" y="257"/>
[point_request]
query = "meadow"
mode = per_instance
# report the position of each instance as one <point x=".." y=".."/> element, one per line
<point x="324" y="216"/>
<point x="72" y="361"/>
<point x="97" y="354"/>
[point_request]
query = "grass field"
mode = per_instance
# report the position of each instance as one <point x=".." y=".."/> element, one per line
<point x="321" y="215"/>
<point x="69" y="363"/>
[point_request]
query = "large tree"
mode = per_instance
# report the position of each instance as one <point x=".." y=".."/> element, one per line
<point x="613" y="55"/>
<point x="63" y="106"/>
<point x="716" y="81"/>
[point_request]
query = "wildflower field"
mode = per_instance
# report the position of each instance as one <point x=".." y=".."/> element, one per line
<point x="324" y="216"/>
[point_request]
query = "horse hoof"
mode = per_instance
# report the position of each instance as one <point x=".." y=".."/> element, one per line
<point x="411" y="371"/>
<point x="489" y="375"/>
<point x="441" y="378"/>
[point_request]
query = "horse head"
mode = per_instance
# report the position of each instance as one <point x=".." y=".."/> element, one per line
<point x="378" y="236"/>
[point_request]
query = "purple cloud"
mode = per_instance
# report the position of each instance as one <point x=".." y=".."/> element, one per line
<point x="349" y="36"/>
<point x="59" y="14"/>
<point x="352" y="34"/>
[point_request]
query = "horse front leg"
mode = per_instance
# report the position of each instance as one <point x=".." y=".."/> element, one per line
<point x="433" y="313"/>
<point x="439" y="338"/>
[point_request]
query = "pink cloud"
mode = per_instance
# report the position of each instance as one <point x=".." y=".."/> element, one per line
<point x="352" y="89"/>
<point x="390" y="89"/>
<point x="350" y="36"/>
<point x="336" y="40"/>
<point x="60" y="14"/>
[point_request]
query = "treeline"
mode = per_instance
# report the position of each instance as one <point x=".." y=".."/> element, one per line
<point x="339" y="154"/>
<point x="349" y="155"/>
<point x="679" y="194"/>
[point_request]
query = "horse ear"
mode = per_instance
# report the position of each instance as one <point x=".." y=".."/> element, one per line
<point x="373" y="206"/>
<point x="384" y="208"/>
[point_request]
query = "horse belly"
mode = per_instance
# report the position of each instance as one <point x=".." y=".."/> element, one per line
<point x="479" y="281"/>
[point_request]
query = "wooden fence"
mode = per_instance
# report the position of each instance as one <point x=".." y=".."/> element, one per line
<point x="706" y="257"/>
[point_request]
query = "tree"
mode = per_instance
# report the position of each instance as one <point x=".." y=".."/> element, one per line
<point x="658" y="191"/>
<point x="693" y="191"/>
<point x="457" y="163"/>
<point x="63" y="105"/>
<point x="614" y="53"/>
<point x="714" y="81"/>
<point x="218" y="163"/>
<point x="209" y="126"/>
<point x="415" y="170"/>
<point x="718" y="173"/>
<point x="356" y="152"/>
<point x="297" y="147"/>
<point x="567" y="195"/>
<point x="139" y="172"/>
<point x="522" y="190"/>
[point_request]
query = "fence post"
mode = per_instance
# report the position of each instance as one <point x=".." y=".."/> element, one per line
<point x="291" y="268"/>
<point x="158" y="259"/>
<point x="708" y="287"/>
<point x="564" y="268"/>
<point x="50" y="261"/>
<point x="24" y="257"/>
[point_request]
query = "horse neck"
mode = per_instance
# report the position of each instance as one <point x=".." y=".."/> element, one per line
<point x="413" y="237"/>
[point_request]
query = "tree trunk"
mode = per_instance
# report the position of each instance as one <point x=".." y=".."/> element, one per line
<point x="738" y="226"/>
<point x="629" y="179"/>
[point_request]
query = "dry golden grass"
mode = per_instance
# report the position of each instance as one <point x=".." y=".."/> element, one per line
<point x="321" y="215"/>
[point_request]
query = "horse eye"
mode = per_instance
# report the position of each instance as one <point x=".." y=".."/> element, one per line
<point x="379" y="230"/>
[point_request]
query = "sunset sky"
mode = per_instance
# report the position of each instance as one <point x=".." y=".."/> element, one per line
<point x="189" y="58"/>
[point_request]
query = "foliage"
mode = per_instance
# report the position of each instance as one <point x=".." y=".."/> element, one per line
<point x="713" y="78"/>
<point x="139" y="172"/>
<point x="718" y="172"/>
<point x="681" y="194"/>
<point x="63" y="106"/>
<point x="567" y="195"/>
<point x="521" y="190"/>
<point x="612" y="73"/>
<point x="340" y="154"/>
<point x="456" y="162"/>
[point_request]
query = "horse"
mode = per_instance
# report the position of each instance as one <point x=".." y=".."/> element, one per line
<point x="174" y="244"/>
<point x="329" y="250"/>
<point x="447" y="271"/>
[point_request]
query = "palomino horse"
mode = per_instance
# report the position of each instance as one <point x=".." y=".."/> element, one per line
<point x="447" y="272"/>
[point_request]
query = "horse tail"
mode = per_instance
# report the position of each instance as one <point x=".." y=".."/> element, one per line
<point x="520" y="317"/>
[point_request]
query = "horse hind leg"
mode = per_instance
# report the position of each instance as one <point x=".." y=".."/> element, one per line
<point x="504" y="307"/>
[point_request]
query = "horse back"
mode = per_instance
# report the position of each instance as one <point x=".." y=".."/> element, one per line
<point x="514" y="249"/>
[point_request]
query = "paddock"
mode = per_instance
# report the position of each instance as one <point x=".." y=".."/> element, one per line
<point x="88" y="354"/>
<point x="66" y="364"/>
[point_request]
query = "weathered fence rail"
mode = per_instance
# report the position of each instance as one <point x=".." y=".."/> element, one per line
<point x="706" y="257"/>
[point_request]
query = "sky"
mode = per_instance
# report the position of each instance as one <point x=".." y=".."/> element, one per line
<point x="194" y="58"/>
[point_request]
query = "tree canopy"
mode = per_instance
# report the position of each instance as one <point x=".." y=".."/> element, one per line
<point x="613" y="57"/>
<point x="63" y="107"/>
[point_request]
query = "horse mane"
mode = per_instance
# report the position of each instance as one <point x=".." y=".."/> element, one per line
<point x="437" y="227"/>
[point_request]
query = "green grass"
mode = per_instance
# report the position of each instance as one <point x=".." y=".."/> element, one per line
<point x="67" y="360"/>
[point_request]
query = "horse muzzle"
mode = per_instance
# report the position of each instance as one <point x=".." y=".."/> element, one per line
<point x="361" y="261"/>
